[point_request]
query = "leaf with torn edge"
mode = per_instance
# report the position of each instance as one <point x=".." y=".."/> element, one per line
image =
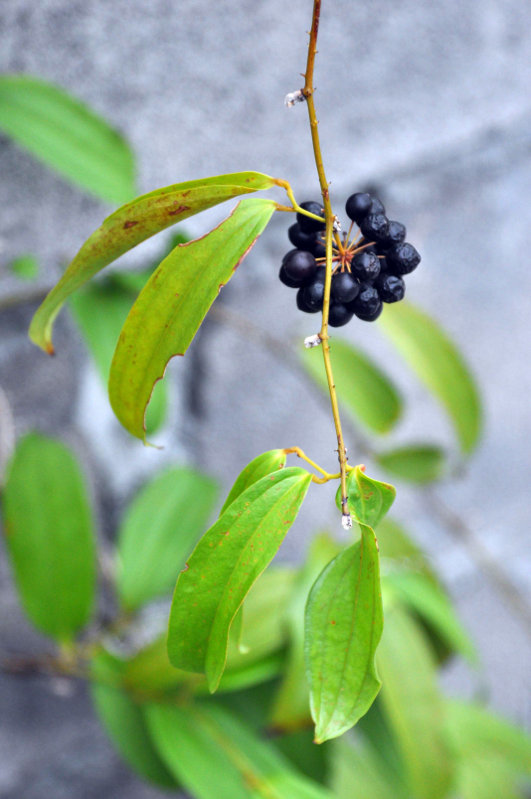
<point x="172" y="305"/>
<point x="135" y="222"/>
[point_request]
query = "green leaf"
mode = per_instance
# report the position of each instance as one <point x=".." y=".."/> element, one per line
<point x="360" y="772"/>
<point x="171" y="307"/>
<point x="49" y="536"/>
<point x="25" y="266"/>
<point x="160" y="528"/>
<point x="68" y="136"/>
<point x="493" y="757"/>
<point x="397" y="550"/>
<point x="419" y="463"/>
<point x="123" y="720"/>
<point x="218" y="756"/>
<point x="133" y="223"/>
<point x="100" y="312"/>
<point x="413" y="705"/>
<point x="343" y="626"/>
<point x="363" y="389"/>
<point x="440" y="366"/>
<point x="224" y="566"/>
<point x="259" y="467"/>
<point x="430" y="602"/>
<point x="368" y="499"/>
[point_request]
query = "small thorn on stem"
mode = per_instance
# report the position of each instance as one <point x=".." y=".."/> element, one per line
<point x="312" y="341"/>
<point x="294" y="97"/>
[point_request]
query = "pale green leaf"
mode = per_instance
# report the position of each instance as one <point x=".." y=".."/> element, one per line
<point x="68" y="136"/>
<point x="49" y="536"/>
<point x="419" y="463"/>
<point x="368" y="499"/>
<point x="223" y="567"/>
<point x="159" y="530"/>
<point x="123" y="720"/>
<point x="360" y="772"/>
<point x="133" y="223"/>
<point x="172" y="305"/>
<point x="259" y="467"/>
<point x="343" y="626"/>
<point x="363" y="389"/>
<point x="440" y="366"/>
<point x="398" y="551"/>
<point x="413" y="705"/>
<point x="25" y="267"/>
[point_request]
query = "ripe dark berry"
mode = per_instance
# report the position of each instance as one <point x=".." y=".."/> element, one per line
<point x="395" y="234"/>
<point x="366" y="303"/>
<point x="312" y="296"/>
<point x="284" y="278"/>
<point x="358" y="205"/>
<point x="306" y="223"/>
<point x="391" y="288"/>
<point x="365" y="266"/>
<point x="375" y="227"/>
<point x="370" y="316"/>
<point x="302" y="304"/>
<point x="339" y="315"/>
<point x="345" y="287"/>
<point x="377" y="206"/>
<point x="402" y="258"/>
<point x="303" y="241"/>
<point x="300" y="266"/>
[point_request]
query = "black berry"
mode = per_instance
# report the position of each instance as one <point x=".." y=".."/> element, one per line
<point x="318" y="246"/>
<point x="302" y="305"/>
<point x="339" y="315"/>
<point x="395" y="234"/>
<point x="377" y="206"/>
<point x="303" y="241"/>
<point x="306" y="223"/>
<point x="358" y="205"/>
<point x="402" y="258"/>
<point x="375" y="227"/>
<point x="366" y="303"/>
<point x="345" y="287"/>
<point x="365" y="266"/>
<point x="284" y="278"/>
<point x="370" y="316"/>
<point x="391" y="288"/>
<point x="312" y="296"/>
<point x="300" y="266"/>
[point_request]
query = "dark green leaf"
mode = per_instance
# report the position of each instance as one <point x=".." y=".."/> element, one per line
<point x="259" y="467"/>
<point x="224" y="566"/>
<point x="68" y="136"/>
<point x="439" y="364"/>
<point x="174" y="302"/>
<point x="368" y="499"/>
<point x="420" y="463"/>
<point x="25" y="267"/>
<point x="133" y="223"/>
<point x="217" y="756"/>
<point x="124" y="722"/>
<point x="364" y="390"/>
<point x="49" y="536"/>
<point x="430" y="602"/>
<point x="160" y="528"/>
<point x="343" y="626"/>
<point x="413" y="705"/>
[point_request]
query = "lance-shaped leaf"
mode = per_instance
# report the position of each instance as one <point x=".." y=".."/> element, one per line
<point x="133" y="223"/>
<point x="171" y="307"/>
<point x="49" y="536"/>
<point x="216" y="755"/>
<point x="160" y="528"/>
<point x="123" y="720"/>
<point x="363" y="389"/>
<point x="68" y="136"/>
<point x="343" y="626"/>
<point x="420" y="463"/>
<point x="224" y="566"/>
<point x="259" y="467"/>
<point x="440" y="365"/>
<point x="413" y="705"/>
<point x="368" y="499"/>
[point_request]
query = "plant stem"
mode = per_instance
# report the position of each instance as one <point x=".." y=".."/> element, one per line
<point x="308" y="93"/>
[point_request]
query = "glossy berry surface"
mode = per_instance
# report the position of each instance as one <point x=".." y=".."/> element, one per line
<point x="377" y="206"/>
<point x="358" y="205"/>
<point x="391" y="288"/>
<point x="365" y="266"/>
<point x="375" y="227"/>
<point x="339" y="315"/>
<point x="402" y="258"/>
<point x="306" y="223"/>
<point x="313" y="295"/>
<point x="284" y="278"/>
<point x="367" y="301"/>
<point x="300" y="265"/>
<point x="395" y="234"/>
<point x="345" y="287"/>
<point x="372" y="315"/>
<point x="299" y="239"/>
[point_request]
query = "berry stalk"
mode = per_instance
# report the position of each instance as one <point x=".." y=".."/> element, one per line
<point x="329" y="217"/>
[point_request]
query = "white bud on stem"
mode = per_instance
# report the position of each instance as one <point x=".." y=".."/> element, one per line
<point x="294" y="97"/>
<point x="346" y="521"/>
<point x="312" y="341"/>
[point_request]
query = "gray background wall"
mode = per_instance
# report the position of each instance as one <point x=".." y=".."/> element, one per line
<point x="429" y="102"/>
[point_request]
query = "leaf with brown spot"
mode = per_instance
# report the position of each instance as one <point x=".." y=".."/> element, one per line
<point x="133" y="223"/>
<point x="172" y="305"/>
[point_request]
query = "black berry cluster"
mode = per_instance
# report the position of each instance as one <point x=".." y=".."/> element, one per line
<point x="367" y="269"/>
